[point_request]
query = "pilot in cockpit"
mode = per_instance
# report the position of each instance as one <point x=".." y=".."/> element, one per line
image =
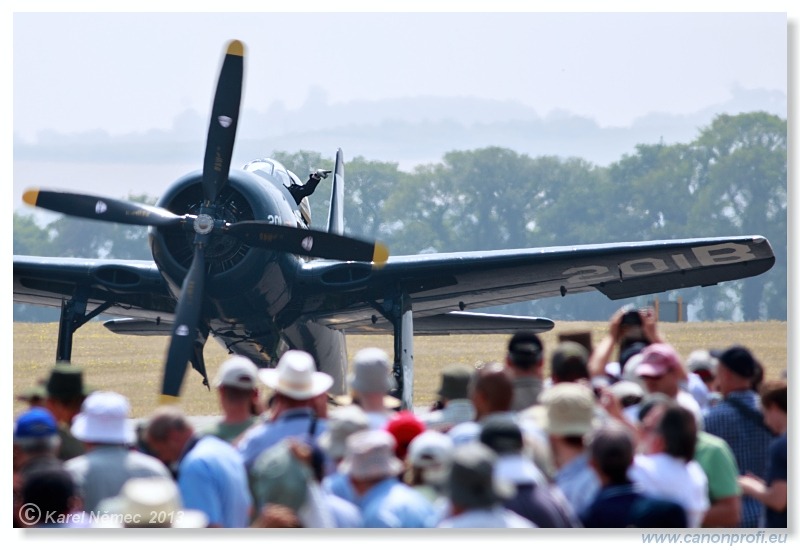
<point x="300" y="192"/>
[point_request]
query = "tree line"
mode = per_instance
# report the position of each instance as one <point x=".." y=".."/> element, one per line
<point x="730" y="180"/>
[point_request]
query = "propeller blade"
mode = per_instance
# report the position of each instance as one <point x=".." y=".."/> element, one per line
<point x="184" y="328"/>
<point x="101" y="208"/>
<point x="308" y="242"/>
<point x="224" y="119"/>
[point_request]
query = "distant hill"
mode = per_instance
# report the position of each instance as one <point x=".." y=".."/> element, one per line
<point x="410" y="131"/>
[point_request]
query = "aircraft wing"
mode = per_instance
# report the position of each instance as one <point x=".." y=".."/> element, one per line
<point x="135" y="288"/>
<point x="438" y="284"/>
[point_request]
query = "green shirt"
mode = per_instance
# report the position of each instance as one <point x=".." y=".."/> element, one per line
<point x="716" y="458"/>
<point x="229" y="431"/>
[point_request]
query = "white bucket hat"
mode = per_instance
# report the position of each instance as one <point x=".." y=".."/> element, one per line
<point x="372" y="372"/>
<point x="104" y="419"/>
<point x="296" y="376"/>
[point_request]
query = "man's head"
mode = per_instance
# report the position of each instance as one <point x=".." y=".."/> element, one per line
<point x="569" y="362"/>
<point x="51" y="492"/>
<point x="503" y="436"/>
<point x="237" y="383"/>
<point x="167" y="433"/>
<point x="404" y="427"/>
<point x="455" y="383"/>
<point x="35" y="432"/>
<point x="431" y="453"/>
<point x="104" y="419"/>
<point x="525" y="354"/>
<point x="611" y="453"/>
<point x="66" y="391"/>
<point x="774" y="404"/>
<point x="669" y="428"/>
<point x="342" y="423"/>
<point x="567" y="410"/>
<point x="491" y="389"/>
<point x="372" y="372"/>
<point x="370" y="458"/>
<point x="472" y="483"/>
<point x="704" y="365"/>
<point x="661" y="369"/>
<point x="237" y="372"/>
<point x="736" y="368"/>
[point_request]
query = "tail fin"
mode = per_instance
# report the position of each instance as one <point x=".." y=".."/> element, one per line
<point x="336" y="212"/>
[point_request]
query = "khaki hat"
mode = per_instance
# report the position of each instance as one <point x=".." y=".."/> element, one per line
<point x="567" y="409"/>
<point x="151" y="502"/>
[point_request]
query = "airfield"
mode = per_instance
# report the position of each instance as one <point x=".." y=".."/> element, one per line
<point x="132" y="365"/>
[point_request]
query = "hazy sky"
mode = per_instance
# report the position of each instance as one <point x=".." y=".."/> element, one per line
<point x="128" y="72"/>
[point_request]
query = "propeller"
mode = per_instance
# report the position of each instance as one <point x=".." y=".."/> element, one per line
<point x="101" y="208"/>
<point x="224" y="119"/>
<point x="309" y="242"/>
<point x="205" y="224"/>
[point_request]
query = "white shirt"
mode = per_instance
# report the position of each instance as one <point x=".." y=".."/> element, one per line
<point x="664" y="476"/>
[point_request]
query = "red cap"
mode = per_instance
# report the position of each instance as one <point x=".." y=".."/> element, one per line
<point x="658" y="359"/>
<point x="404" y="426"/>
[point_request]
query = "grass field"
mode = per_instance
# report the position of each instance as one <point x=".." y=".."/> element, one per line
<point x="131" y="365"/>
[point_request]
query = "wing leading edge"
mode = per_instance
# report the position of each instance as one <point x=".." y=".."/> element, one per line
<point x="443" y="283"/>
<point x="136" y="288"/>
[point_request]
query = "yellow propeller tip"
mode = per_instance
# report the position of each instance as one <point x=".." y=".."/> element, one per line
<point x="235" y="47"/>
<point x="380" y="255"/>
<point x="30" y="196"/>
<point x="164" y="399"/>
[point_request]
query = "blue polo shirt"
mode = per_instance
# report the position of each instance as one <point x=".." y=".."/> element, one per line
<point x="391" y="503"/>
<point x="212" y="478"/>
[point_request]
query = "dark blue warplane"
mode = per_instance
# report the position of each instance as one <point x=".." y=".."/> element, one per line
<point x="234" y="258"/>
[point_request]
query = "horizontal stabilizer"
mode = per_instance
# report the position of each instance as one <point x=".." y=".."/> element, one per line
<point x="459" y="322"/>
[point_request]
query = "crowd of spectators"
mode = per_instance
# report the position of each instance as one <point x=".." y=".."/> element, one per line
<point x="622" y="434"/>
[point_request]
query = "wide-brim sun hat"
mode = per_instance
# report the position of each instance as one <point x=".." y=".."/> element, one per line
<point x="296" y="376"/>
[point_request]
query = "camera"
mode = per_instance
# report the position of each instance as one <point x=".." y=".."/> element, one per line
<point x="632" y="317"/>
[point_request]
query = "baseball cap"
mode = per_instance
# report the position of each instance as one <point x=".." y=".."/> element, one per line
<point x="737" y="359"/>
<point x="657" y="360"/>
<point x="237" y="372"/>
<point x="525" y="348"/>
<point x="35" y="423"/>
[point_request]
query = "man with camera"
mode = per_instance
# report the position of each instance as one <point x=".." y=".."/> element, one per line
<point x="629" y="331"/>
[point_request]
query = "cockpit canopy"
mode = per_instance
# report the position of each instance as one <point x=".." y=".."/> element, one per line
<point x="273" y="168"/>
